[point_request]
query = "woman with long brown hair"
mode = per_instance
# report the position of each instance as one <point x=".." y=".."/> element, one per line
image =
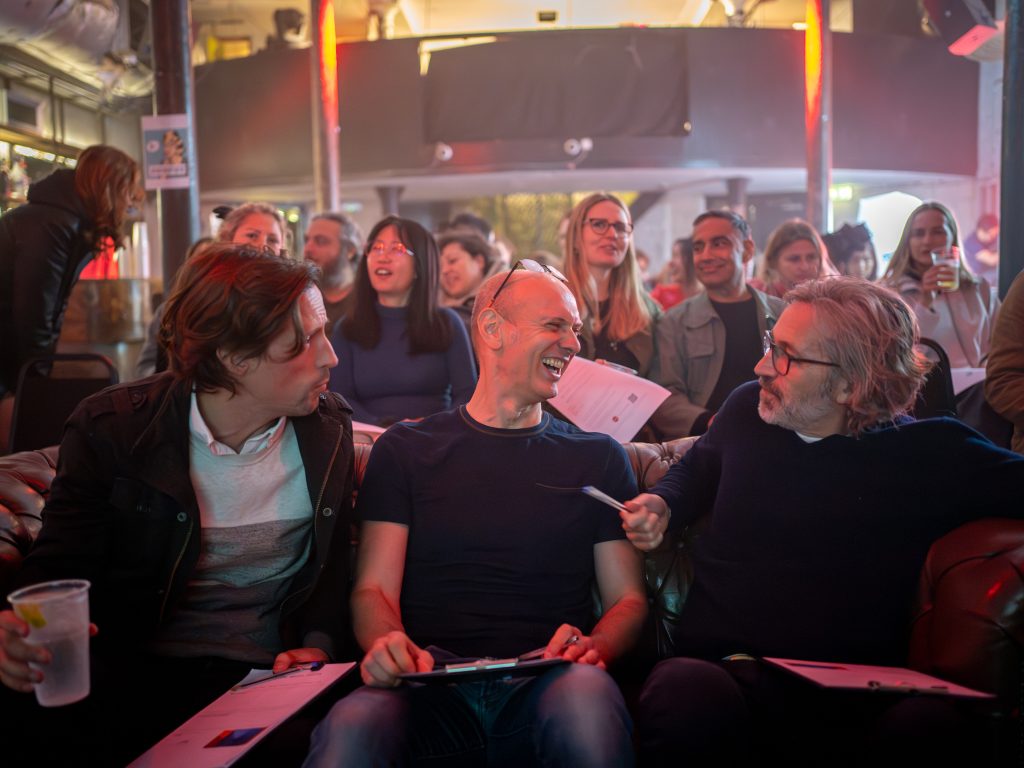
<point x="70" y="217"/>
<point x="600" y="265"/>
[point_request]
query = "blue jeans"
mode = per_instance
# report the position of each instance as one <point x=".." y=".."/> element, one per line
<point x="571" y="716"/>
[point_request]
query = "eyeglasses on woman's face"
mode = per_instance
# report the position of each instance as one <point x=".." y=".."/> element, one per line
<point x="600" y="226"/>
<point x="396" y="248"/>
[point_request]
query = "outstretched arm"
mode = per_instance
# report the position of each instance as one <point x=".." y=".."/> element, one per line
<point x="376" y="614"/>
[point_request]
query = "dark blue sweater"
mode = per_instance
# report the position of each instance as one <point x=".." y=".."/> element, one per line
<point x="386" y="384"/>
<point x="813" y="550"/>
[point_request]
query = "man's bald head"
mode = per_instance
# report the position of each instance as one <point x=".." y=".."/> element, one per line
<point x="510" y="295"/>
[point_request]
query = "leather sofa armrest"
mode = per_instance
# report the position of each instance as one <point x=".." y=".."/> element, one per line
<point x="651" y="460"/>
<point x="969" y="624"/>
<point x="668" y="571"/>
<point x="25" y="479"/>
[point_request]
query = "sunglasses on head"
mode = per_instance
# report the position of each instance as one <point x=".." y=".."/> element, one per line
<point x="530" y="266"/>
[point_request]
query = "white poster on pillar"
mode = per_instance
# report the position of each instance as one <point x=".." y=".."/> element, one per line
<point x="169" y="159"/>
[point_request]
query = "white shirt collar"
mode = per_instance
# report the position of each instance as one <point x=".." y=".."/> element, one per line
<point x="255" y="444"/>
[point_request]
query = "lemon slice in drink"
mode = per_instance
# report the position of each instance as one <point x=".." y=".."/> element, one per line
<point x="30" y="613"/>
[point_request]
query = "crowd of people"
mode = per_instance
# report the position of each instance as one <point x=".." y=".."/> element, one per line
<point x="210" y="501"/>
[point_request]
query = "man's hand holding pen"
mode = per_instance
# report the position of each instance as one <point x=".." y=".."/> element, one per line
<point x="645" y="521"/>
<point x="571" y="644"/>
<point x="391" y="655"/>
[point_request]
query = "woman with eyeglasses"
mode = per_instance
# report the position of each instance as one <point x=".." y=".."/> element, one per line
<point x="401" y="356"/>
<point x="794" y="254"/>
<point x="600" y="266"/>
<point x="954" y="307"/>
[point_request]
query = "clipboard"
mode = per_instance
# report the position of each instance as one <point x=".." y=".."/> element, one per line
<point x="221" y="733"/>
<point x="472" y="670"/>
<point x="862" y="677"/>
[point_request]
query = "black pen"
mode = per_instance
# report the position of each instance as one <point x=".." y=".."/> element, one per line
<point x="313" y="666"/>
<point x="539" y="652"/>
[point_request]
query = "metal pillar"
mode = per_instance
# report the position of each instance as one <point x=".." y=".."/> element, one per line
<point x="389" y="197"/>
<point x="818" y="111"/>
<point x="173" y="95"/>
<point x="736" y="192"/>
<point x="1011" y="223"/>
<point x="324" y="79"/>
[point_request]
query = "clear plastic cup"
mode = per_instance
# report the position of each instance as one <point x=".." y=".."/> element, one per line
<point x="57" y="613"/>
<point x="949" y="258"/>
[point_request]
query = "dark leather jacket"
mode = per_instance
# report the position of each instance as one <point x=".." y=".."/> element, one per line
<point x="122" y="513"/>
<point x="42" y="252"/>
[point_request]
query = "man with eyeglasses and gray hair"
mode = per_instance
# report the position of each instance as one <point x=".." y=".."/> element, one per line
<point x="707" y="346"/>
<point x="334" y="243"/>
<point x="817" y="500"/>
<point x="477" y="542"/>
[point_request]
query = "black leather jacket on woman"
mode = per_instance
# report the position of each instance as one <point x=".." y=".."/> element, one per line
<point x="42" y="253"/>
<point x="122" y="513"/>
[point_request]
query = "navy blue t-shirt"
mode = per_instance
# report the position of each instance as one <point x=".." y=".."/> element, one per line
<point x="501" y="539"/>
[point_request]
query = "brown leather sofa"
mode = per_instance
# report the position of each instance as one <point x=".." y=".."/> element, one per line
<point x="968" y="626"/>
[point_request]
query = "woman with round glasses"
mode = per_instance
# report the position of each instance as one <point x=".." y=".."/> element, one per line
<point x="953" y="306"/>
<point x="793" y="255"/>
<point x="601" y="269"/>
<point x="401" y="356"/>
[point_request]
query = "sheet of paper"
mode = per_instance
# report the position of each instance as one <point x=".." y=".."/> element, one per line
<point x="602" y="398"/>
<point x="965" y="377"/>
<point x="866" y="677"/>
<point x="369" y="429"/>
<point x="230" y="726"/>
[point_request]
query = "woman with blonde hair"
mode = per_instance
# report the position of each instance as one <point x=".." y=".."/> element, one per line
<point x="958" y="318"/>
<point x="257" y="224"/>
<point x="793" y="255"/>
<point x="601" y="268"/>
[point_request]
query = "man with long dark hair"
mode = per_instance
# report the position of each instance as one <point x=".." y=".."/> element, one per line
<point x="208" y="506"/>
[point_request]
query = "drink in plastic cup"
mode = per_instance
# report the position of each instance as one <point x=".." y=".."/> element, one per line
<point x="57" y="613"/>
<point x="950" y="258"/>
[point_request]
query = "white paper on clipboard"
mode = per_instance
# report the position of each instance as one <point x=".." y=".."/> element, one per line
<point x="239" y="719"/>
<point x="602" y="398"/>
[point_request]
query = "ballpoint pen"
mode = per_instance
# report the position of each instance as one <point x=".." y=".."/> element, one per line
<point x="537" y="653"/>
<point x="604" y="498"/>
<point x="312" y="666"/>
